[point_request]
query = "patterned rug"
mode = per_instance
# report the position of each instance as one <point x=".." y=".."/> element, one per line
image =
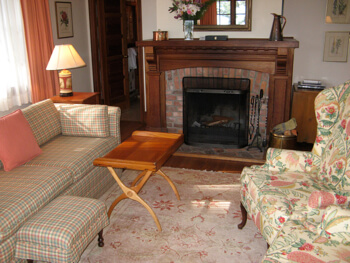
<point x="201" y="227"/>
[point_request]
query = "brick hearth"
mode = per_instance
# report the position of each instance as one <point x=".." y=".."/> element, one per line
<point x="174" y="95"/>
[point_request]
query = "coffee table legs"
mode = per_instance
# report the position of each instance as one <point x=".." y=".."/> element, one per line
<point x="160" y="172"/>
<point x="132" y="194"/>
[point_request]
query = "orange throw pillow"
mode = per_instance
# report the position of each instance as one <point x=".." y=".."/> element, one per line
<point x="17" y="142"/>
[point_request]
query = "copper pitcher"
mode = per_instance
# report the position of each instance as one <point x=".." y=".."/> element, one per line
<point x="277" y="28"/>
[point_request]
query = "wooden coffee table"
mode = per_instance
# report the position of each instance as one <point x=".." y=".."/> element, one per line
<point x="145" y="151"/>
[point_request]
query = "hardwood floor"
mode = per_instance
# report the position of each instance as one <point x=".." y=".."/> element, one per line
<point x="209" y="162"/>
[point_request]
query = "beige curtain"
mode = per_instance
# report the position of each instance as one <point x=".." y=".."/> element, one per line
<point x="38" y="33"/>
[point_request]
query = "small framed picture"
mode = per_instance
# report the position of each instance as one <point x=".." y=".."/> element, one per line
<point x="336" y="46"/>
<point x="64" y="19"/>
<point x="338" y="12"/>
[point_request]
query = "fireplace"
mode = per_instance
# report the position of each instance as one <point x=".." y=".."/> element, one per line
<point x="216" y="111"/>
<point x="159" y="58"/>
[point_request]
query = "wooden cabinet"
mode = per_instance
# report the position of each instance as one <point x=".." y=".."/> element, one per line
<point x="303" y="110"/>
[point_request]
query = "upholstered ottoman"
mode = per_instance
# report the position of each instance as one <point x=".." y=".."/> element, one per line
<point x="61" y="231"/>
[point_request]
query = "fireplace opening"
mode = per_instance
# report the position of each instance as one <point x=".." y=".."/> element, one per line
<point x="216" y="111"/>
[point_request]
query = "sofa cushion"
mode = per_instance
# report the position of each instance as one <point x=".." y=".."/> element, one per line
<point x="17" y="142"/>
<point x="85" y="120"/>
<point x="24" y="190"/>
<point x="74" y="153"/>
<point x="44" y="120"/>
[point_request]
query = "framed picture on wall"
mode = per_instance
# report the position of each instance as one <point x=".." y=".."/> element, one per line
<point x="64" y="19"/>
<point x="338" y="12"/>
<point x="336" y="46"/>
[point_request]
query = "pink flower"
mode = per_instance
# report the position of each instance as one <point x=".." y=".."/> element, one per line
<point x="330" y="110"/>
<point x="309" y="161"/>
<point x="305" y="184"/>
<point x="343" y="123"/>
<point x="306" y="247"/>
<point x="339" y="165"/>
<point x="318" y="116"/>
<point x="341" y="199"/>
<point x="273" y="177"/>
<point x="319" y="139"/>
<point x="281" y="219"/>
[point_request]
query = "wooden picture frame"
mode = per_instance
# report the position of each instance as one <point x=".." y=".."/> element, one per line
<point x="338" y="12"/>
<point x="336" y="46"/>
<point x="64" y="19"/>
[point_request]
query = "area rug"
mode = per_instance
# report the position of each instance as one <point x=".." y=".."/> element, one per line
<point x="201" y="227"/>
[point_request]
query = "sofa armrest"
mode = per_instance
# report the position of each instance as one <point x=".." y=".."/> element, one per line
<point x="114" y="114"/>
<point x="290" y="160"/>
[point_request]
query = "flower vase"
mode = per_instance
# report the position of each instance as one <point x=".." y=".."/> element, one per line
<point x="188" y="29"/>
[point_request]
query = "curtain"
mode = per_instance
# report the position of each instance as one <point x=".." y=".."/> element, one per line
<point x="14" y="74"/>
<point x="39" y="40"/>
<point x="209" y="17"/>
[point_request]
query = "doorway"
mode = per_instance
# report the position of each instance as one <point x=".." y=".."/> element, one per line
<point x="115" y="26"/>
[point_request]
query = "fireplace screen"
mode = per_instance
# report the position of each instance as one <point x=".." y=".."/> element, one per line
<point x="216" y="111"/>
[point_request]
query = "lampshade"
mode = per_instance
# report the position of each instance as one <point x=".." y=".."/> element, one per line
<point x="65" y="57"/>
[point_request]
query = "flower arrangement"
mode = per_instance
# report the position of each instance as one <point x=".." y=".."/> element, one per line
<point x="189" y="9"/>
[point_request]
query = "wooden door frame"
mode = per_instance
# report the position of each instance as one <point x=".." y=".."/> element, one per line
<point x="95" y="40"/>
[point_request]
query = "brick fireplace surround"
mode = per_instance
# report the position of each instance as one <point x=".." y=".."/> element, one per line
<point x="268" y="64"/>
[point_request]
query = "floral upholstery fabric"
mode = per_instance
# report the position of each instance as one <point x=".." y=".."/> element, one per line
<point x="296" y="196"/>
<point x="328" y="242"/>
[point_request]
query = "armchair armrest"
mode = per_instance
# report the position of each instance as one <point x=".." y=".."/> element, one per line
<point x="290" y="160"/>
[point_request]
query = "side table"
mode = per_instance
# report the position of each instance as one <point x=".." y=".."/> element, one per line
<point x="79" y="98"/>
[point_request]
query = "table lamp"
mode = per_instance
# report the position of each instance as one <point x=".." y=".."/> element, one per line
<point x="65" y="57"/>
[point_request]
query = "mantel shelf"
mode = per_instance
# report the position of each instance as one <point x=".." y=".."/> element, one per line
<point x="288" y="42"/>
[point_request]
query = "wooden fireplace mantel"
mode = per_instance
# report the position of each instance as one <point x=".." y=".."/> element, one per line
<point x="273" y="57"/>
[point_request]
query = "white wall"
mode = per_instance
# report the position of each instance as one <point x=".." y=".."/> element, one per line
<point x="261" y="22"/>
<point x="82" y="77"/>
<point x="306" y="23"/>
<point x="149" y="18"/>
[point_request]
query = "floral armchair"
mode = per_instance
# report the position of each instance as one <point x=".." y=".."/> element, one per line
<point x="300" y="200"/>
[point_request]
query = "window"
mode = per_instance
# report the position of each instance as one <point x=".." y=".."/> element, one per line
<point x="14" y="73"/>
<point x="231" y="12"/>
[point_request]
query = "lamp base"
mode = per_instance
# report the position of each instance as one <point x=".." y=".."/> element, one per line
<point x="66" y="94"/>
<point x="65" y="78"/>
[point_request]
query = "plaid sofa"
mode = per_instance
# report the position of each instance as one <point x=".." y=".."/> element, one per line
<point x="71" y="137"/>
<point x="300" y="201"/>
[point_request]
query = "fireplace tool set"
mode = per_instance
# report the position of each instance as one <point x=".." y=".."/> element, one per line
<point x="255" y="107"/>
